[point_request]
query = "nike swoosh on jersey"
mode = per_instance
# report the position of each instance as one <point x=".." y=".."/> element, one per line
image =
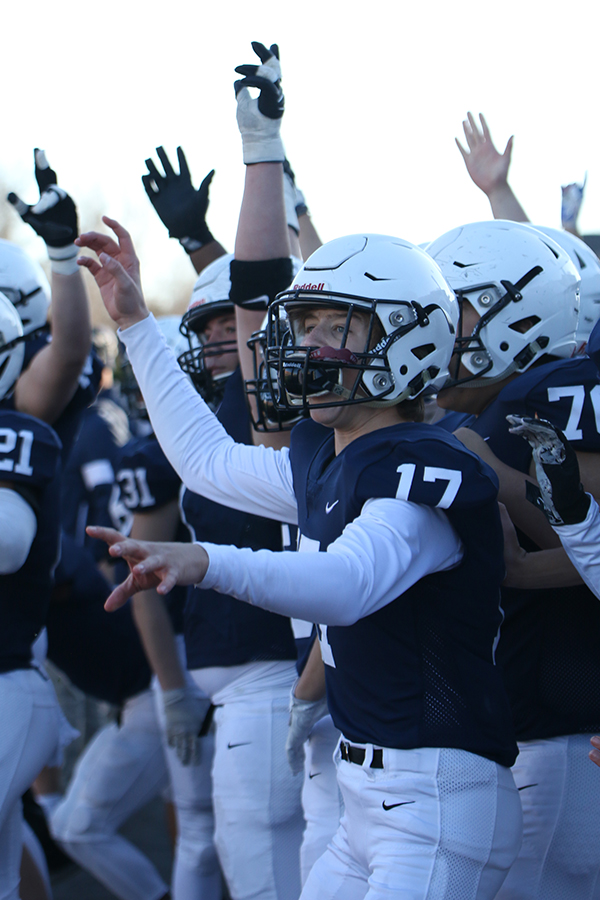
<point x="394" y="805"/>
<point x="243" y="744"/>
<point x="312" y="775"/>
<point x="525" y="786"/>
<point x="329" y="506"/>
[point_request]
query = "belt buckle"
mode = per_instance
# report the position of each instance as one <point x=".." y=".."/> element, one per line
<point x="356" y="755"/>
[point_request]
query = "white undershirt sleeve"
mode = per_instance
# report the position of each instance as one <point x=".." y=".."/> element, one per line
<point x="209" y="462"/>
<point x="582" y="544"/>
<point x="18" y="528"/>
<point x="387" y="549"/>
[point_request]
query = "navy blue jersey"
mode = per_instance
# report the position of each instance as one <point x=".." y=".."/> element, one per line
<point x="68" y="423"/>
<point x="451" y="421"/>
<point x="593" y="345"/>
<point x="566" y="392"/>
<point x="101" y="653"/>
<point x="30" y="462"/>
<point x="220" y="630"/>
<point x="144" y="482"/>
<point x="549" y="648"/>
<point x="419" y="672"/>
<point x="89" y="473"/>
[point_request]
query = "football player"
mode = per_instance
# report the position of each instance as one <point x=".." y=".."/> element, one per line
<point x="519" y="298"/>
<point x="406" y="591"/>
<point x="29" y="549"/>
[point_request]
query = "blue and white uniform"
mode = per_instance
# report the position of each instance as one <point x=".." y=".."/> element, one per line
<point x="244" y="658"/>
<point x="145" y="482"/>
<point x="69" y="422"/>
<point x="29" y="711"/>
<point x="551" y="658"/>
<point x="125" y="765"/>
<point x="424" y="726"/>
<point x="89" y="473"/>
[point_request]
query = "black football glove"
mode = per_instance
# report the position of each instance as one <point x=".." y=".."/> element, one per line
<point x="54" y="216"/>
<point x="560" y="494"/>
<point x="259" y="120"/>
<point x="180" y="207"/>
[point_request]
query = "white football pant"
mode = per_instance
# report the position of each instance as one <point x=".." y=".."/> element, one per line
<point x="434" y="824"/>
<point x="29" y="740"/>
<point x="121" y="770"/>
<point x="560" y="857"/>
<point x="321" y="798"/>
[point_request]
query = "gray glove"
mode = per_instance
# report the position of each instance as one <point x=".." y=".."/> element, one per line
<point x="259" y="120"/>
<point x="304" y="714"/>
<point x="560" y="495"/>
<point x="185" y="715"/>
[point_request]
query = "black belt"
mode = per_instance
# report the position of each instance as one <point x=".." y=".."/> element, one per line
<point x="357" y="755"/>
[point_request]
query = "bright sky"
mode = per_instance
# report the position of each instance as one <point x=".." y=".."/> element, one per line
<point x="374" y="99"/>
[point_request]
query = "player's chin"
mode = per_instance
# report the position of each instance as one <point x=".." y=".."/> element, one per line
<point x="325" y="415"/>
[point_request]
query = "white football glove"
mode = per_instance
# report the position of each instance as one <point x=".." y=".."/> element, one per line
<point x="185" y="715"/>
<point x="259" y="120"/>
<point x="304" y="714"/>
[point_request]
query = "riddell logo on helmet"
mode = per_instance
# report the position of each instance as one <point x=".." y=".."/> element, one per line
<point x="200" y="302"/>
<point x="309" y="286"/>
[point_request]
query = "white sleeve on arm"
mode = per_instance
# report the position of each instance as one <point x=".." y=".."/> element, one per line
<point x="582" y="544"/>
<point x="378" y="556"/>
<point x="209" y="462"/>
<point x="18" y="527"/>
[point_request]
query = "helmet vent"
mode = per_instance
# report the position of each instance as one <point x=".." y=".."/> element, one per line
<point x="375" y="278"/>
<point x="581" y="261"/>
<point x="423" y="351"/>
<point x="552" y="250"/>
<point x="523" y="325"/>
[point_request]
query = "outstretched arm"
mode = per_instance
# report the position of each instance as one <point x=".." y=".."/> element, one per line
<point x="47" y="385"/>
<point x="382" y="553"/>
<point x="208" y="461"/>
<point x="261" y="267"/>
<point x="489" y="169"/>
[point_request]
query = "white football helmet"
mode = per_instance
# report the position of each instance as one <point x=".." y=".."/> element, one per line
<point x="525" y="288"/>
<point x="412" y="316"/>
<point x="210" y="298"/>
<point x="588" y="265"/>
<point x="12" y="348"/>
<point x="22" y="280"/>
<point x="170" y="327"/>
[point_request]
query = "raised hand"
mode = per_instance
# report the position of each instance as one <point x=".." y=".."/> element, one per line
<point x="572" y="198"/>
<point x="181" y="208"/>
<point x="487" y="167"/>
<point x="117" y="273"/>
<point x="152" y="564"/>
<point x="259" y="119"/>
<point x="53" y="216"/>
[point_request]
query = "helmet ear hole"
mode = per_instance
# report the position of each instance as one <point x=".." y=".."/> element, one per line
<point x="524" y="325"/>
<point x="423" y="351"/>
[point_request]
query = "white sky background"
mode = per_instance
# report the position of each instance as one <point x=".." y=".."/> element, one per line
<point x="374" y="99"/>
